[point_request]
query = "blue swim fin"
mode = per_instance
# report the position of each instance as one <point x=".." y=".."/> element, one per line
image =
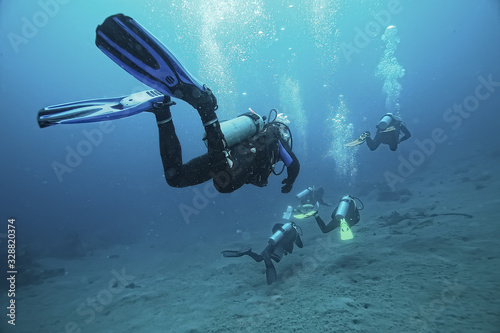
<point x="93" y="110"/>
<point x="143" y="56"/>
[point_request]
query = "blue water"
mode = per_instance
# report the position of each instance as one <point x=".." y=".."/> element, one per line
<point x="290" y="55"/>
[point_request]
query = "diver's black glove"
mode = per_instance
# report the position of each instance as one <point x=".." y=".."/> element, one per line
<point x="288" y="185"/>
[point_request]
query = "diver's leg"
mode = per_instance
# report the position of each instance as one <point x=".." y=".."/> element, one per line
<point x="332" y="225"/>
<point x="373" y="144"/>
<point x="170" y="147"/>
<point x="298" y="242"/>
<point x="240" y="253"/>
<point x="255" y="256"/>
<point x="271" y="274"/>
<point x="321" y="223"/>
<point x="394" y="141"/>
<point x="328" y="227"/>
<point x="176" y="174"/>
<point x="220" y="163"/>
<point x="216" y="143"/>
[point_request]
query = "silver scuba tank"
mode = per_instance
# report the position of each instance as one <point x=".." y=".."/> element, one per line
<point x="385" y="122"/>
<point x="304" y="193"/>
<point x="288" y="213"/>
<point x="343" y="207"/>
<point x="240" y="128"/>
<point x="278" y="235"/>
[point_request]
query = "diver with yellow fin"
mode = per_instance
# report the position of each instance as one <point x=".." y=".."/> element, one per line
<point x="391" y="130"/>
<point x="345" y="215"/>
<point x="311" y="196"/>
<point x="310" y="199"/>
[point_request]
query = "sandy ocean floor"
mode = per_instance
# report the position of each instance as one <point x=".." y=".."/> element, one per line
<point x="408" y="269"/>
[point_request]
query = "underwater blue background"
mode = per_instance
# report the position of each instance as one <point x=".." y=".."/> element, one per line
<point x="444" y="47"/>
<point x="288" y="55"/>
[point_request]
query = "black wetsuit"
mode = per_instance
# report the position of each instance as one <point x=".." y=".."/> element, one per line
<point x="352" y="217"/>
<point x="272" y="251"/>
<point x="252" y="160"/>
<point x="391" y="138"/>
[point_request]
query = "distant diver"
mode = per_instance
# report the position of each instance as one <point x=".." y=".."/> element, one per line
<point x="312" y="195"/>
<point x="345" y="215"/>
<point x="244" y="150"/>
<point x="280" y="243"/>
<point x="391" y="130"/>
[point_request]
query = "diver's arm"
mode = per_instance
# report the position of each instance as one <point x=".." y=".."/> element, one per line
<point x="406" y="133"/>
<point x="292" y="169"/>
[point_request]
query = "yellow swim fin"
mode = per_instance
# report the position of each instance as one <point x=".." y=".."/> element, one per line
<point x="306" y="215"/>
<point x="345" y="230"/>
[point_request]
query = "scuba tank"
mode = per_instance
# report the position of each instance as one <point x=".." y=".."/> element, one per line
<point x="288" y="213"/>
<point x="343" y="208"/>
<point x="385" y="122"/>
<point x="304" y="193"/>
<point x="240" y="128"/>
<point x="278" y="235"/>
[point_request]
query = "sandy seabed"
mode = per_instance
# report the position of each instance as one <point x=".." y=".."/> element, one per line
<point x="428" y="263"/>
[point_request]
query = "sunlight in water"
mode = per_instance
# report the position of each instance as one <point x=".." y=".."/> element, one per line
<point x="291" y="105"/>
<point x="229" y="32"/>
<point x="326" y="34"/>
<point x="341" y="131"/>
<point x="390" y="70"/>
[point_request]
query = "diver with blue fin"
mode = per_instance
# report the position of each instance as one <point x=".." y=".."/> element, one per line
<point x="280" y="243"/>
<point x="345" y="215"/>
<point x="241" y="151"/>
<point x="391" y="130"/>
<point x="101" y="109"/>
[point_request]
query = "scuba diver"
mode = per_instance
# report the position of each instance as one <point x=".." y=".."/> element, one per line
<point x="312" y="196"/>
<point x="345" y="215"/>
<point x="391" y="130"/>
<point x="279" y="244"/>
<point x="245" y="151"/>
<point x="310" y="200"/>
